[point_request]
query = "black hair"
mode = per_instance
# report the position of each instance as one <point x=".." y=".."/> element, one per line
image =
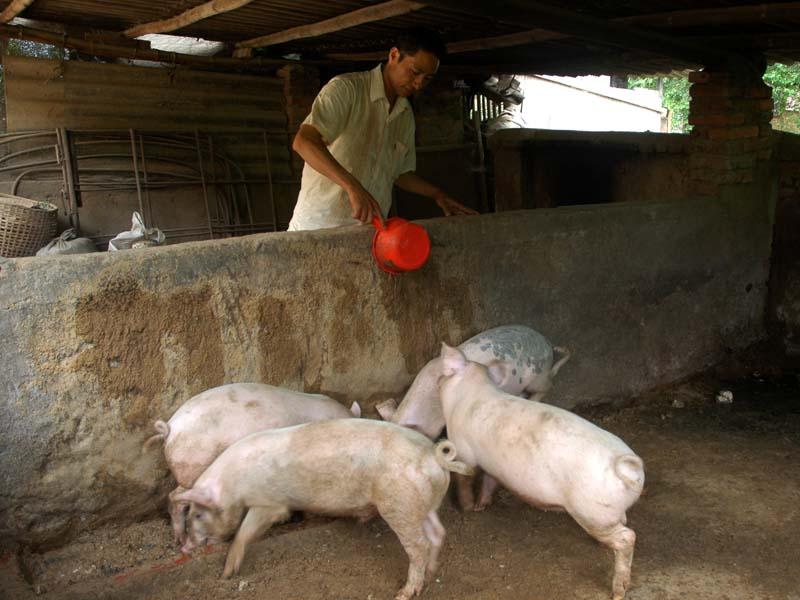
<point x="413" y="40"/>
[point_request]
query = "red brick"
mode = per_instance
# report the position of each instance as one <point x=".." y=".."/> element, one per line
<point x="768" y="104"/>
<point x="699" y="76"/>
<point x="727" y="118"/>
<point x="759" y="91"/>
<point x="704" y="188"/>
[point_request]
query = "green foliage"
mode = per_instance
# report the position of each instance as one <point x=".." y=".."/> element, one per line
<point x="675" y="98"/>
<point x="784" y="80"/>
<point x="785" y="83"/>
<point x="34" y="49"/>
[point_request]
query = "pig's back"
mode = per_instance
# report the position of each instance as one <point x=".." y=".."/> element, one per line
<point x="211" y="421"/>
<point x="249" y="407"/>
<point x="337" y="467"/>
<point x="525" y="349"/>
<point x="539" y="450"/>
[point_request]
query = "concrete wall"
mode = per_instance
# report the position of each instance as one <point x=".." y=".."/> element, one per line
<point x="96" y="347"/>
<point x="541" y="169"/>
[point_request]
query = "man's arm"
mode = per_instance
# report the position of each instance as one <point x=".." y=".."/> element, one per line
<point x="308" y="143"/>
<point x="411" y="182"/>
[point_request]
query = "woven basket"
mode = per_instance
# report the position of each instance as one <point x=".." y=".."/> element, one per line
<point x="25" y="225"/>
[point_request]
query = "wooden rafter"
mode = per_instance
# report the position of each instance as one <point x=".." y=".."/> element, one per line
<point x="376" y="12"/>
<point x="777" y="13"/>
<point x="614" y="31"/>
<point x="576" y="24"/>
<point x="14" y="9"/>
<point x="198" y="13"/>
<point x="135" y="53"/>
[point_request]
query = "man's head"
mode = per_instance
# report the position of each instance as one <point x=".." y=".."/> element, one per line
<point x="413" y="61"/>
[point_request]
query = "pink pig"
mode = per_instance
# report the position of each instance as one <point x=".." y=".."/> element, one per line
<point x="212" y="420"/>
<point x="549" y="457"/>
<point x="344" y="467"/>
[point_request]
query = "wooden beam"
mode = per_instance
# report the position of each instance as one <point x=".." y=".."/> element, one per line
<point x="113" y="51"/>
<point x="552" y="18"/>
<point x="13" y="9"/>
<point x="778" y="13"/>
<point x="674" y="19"/>
<point x="198" y="13"/>
<point x="376" y="12"/>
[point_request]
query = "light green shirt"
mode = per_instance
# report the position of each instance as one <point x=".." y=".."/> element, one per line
<point x="352" y="114"/>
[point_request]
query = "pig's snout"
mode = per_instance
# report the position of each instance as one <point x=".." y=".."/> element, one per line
<point x="187" y="547"/>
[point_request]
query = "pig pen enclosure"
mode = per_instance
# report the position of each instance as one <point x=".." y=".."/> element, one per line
<point x="667" y="264"/>
<point x="718" y="520"/>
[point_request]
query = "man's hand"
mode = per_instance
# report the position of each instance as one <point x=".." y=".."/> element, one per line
<point x="363" y="205"/>
<point x="450" y="206"/>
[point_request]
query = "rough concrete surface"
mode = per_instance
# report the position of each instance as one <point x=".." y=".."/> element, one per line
<point x="97" y="347"/>
<point x="719" y="520"/>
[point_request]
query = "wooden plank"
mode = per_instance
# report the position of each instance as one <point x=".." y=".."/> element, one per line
<point x="376" y="12"/>
<point x="14" y="9"/>
<point x="193" y="15"/>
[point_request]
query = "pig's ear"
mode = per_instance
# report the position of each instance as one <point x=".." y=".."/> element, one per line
<point x="453" y="360"/>
<point x="355" y="409"/>
<point x="202" y="496"/>
<point x="498" y="372"/>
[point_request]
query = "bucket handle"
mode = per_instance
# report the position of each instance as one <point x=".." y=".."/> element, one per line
<point x="376" y="222"/>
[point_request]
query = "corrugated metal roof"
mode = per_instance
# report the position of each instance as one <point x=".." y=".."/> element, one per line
<point x="767" y="29"/>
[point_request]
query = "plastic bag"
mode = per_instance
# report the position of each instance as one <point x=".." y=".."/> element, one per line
<point x="67" y="243"/>
<point x="138" y="237"/>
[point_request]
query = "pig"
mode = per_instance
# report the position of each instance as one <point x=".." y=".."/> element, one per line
<point x="345" y="467"/>
<point x="526" y="352"/>
<point x="212" y="420"/>
<point x="549" y="457"/>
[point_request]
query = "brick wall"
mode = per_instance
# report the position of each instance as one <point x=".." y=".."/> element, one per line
<point x="732" y="136"/>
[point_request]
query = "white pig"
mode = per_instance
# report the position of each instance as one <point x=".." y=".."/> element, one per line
<point x="212" y="420"/>
<point x="549" y="457"/>
<point x="530" y="371"/>
<point x="345" y="467"/>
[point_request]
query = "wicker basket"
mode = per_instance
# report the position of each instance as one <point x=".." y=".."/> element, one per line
<point x="25" y="225"/>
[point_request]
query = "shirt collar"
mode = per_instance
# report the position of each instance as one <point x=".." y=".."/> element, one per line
<point x="378" y="92"/>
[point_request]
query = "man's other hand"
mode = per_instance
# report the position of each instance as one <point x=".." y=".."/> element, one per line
<point x="451" y="206"/>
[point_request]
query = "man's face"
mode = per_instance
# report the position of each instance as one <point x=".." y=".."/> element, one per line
<point x="409" y="73"/>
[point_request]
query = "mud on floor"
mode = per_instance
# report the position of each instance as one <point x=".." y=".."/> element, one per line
<point x="719" y="520"/>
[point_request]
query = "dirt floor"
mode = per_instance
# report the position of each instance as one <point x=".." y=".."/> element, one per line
<point x="719" y="519"/>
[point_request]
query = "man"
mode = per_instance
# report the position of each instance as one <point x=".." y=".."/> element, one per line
<point x="358" y="140"/>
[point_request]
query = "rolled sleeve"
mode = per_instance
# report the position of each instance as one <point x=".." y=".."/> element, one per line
<point x="331" y="109"/>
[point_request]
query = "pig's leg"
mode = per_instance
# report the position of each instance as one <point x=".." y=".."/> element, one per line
<point x="177" y="514"/>
<point x="434" y="531"/>
<point x="254" y="524"/>
<point x="407" y="525"/>
<point x="621" y="540"/>
<point x="466" y="498"/>
<point x="488" y="486"/>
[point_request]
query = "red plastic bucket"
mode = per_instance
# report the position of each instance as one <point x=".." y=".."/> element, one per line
<point x="400" y="246"/>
